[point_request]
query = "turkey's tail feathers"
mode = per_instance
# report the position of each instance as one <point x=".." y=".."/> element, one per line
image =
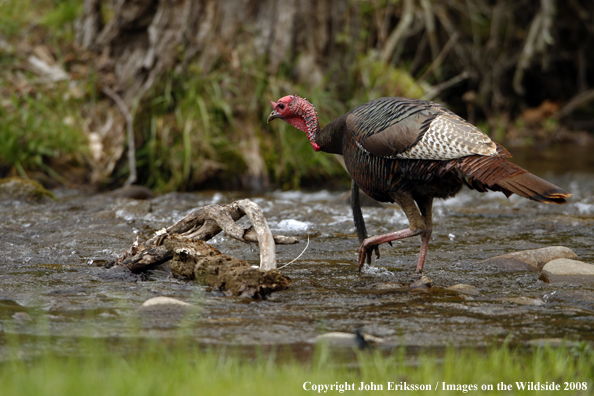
<point x="497" y="174"/>
<point x="533" y="187"/>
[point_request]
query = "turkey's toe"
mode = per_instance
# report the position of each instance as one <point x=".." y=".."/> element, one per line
<point x="366" y="254"/>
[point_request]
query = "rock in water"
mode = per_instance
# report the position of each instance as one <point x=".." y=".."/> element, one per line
<point x="423" y="282"/>
<point x="465" y="289"/>
<point x="349" y="340"/>
<point x="524" y="300"/>
<point x="17" y="189"/>
<point x="529" y="260"/>
<point x="163" y="301"/>
<point x="566" y="270"/>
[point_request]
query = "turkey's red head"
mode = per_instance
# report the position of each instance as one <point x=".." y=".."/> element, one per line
<point x="299" y="113"/>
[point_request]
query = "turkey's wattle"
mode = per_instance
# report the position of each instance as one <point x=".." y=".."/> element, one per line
<point x="411" y="151"/>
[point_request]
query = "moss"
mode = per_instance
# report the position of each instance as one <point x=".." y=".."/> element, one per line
<point x="17" y="189"/>
<point x="206" y="264"/>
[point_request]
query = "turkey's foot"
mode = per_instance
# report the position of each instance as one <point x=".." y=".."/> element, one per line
<point x="366" y="253"/>
<point x="371" y="244"/>
<point x="425" y="238"/>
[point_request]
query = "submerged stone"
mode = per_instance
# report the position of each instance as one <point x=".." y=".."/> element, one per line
<point x="566" y="270"/>
<point x="465" y="289"/>
<point x="351" y="340"/>
<point x="529" y="260"/>
<point x="578" y="299"/>
<point x="165" y="312"/>
<point x="161" y="300"/>
<point x="525" y="300"/>
<point x="422" y="283"/>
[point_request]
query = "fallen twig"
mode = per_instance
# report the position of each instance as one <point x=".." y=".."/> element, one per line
<point x="301" y="254"/>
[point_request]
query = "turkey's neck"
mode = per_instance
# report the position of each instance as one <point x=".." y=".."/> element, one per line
<point x="306" y="119"/>
<point x="327" y="139"/>
<point x="330" y="138"/>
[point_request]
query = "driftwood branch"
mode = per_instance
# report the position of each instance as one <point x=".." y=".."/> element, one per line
<point x="203" y="224"/>
<point x="265" y="240"/>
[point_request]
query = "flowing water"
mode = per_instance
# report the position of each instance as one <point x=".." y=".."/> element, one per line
<point x="51" y="283"/>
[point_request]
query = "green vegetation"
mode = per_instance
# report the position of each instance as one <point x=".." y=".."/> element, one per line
<point x="203" y="122"/>
<point x="40" y="119"/>
<point x="194" y="124"/>
<point x="184" y="369"/>
<point x="36" y="129"/>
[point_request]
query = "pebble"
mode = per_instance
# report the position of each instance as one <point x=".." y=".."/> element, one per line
<point x="525" y="300"/>
<point x="165" y="304"/>
<point x="161" y="300"/>
<point x="529" y="260"/>
<point x="465" y="289"/>
<point x="423" y="282"/>
<point x="340" y="339"/>
<point x="164" y="312"/>
<point x="566" y="270"/>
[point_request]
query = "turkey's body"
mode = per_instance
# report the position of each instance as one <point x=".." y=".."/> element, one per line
<point x="409" y="152"/>
<point x="381" y="178"/>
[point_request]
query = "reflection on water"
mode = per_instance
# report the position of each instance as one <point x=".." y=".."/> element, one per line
<point x="50" y="284"/>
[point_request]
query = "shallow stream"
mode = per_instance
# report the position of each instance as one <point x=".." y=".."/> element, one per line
<point x="51" y="284"/>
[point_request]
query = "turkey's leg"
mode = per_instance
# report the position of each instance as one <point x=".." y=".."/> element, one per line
<point x="358" y="217"/>
<point x="425" y="205"/>
<point x="357" y="214"/>
<point x="417" y="226"/>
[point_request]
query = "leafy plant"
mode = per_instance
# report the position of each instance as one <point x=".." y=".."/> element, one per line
<point x="36" y="130"/>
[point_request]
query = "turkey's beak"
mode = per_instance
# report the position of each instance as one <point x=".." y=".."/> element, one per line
<point x="272" y="116"/>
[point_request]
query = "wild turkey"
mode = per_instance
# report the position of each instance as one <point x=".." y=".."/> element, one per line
<point x="411" y="151"/>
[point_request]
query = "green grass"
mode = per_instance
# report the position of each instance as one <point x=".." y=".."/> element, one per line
<point x="40" y="121"/>
<point x="38" y="129"/>
<point x="184" y="369"/>
<point x="56" y="15"/>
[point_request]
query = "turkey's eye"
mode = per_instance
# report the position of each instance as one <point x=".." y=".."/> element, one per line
<point x="281" y="106"/>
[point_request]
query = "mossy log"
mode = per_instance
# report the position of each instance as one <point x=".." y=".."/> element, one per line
<point x="200" y="261"/>
<point x="183" y="246"/>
